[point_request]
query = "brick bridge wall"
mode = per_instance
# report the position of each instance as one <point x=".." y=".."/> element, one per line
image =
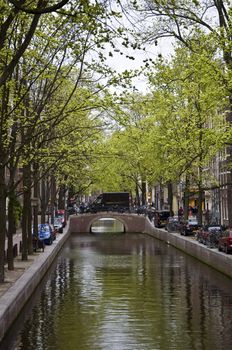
<point x="132" y="222"/>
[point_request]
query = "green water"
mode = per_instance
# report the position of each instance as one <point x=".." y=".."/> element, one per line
<point x="128" y="292"/>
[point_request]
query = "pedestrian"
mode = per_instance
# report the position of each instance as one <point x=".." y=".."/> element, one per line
<point x="207" y="216"/>
<point x="190" y="210"/>
<point x="180" y="212"/>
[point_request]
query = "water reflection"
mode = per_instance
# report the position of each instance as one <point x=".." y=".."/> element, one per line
<point x="107" y="225"/>
<point x="128" y="292"/>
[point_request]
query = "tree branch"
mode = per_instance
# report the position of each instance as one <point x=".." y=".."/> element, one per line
<point x="10" y="68"/>
<point x="38" y="11"/>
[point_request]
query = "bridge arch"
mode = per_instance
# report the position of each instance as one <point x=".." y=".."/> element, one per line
<point x="124" y="224"/>
<point x="132" y="222"/>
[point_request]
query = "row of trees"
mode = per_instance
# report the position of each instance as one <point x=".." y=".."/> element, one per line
<point x="174" y="132"/>
<point x="53" y="100"/>
<point x="195" y="24"/>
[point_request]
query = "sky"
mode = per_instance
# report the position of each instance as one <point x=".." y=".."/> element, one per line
<point x="121" y="62"/>
<point x="130" y="20"/>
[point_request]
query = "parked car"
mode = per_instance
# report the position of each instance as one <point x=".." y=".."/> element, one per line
<point x="189" y="227"/>
<point x="85" y="208"/>
<point x="46" y="233"/>
<point x="58" y="225"/>
<point x="209" y="235"/>
<point x="173" y="224"/>
<point x="60" y="213"/>
<point x="71" y="210"/>
<point x="142" y="209"/>
<point x="161" y="217"/>
<point x="54" y="232"/>
<point x="225" y="242"/>
<point x="151" y="213"/>
<point x="37" y="241"/>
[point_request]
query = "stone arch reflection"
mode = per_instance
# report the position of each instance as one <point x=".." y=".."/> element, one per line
<point x="104" y="225"/>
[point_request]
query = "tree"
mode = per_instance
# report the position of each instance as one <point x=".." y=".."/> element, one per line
<point x="38" y="51"/>
<point x="182" y="20"/>
<point x="11" y="51"/>
<point x="30" y="91"/>
<point x="189" y="108"/>
<point x="123" y="165"/>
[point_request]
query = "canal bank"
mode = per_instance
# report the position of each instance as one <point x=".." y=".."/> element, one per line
<point x="212" y="257"/>
<point x="25" y="280"/>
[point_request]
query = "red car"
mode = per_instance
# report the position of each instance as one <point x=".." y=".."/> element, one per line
<point x="225" y="242"/>
<point x="209" y="235"/>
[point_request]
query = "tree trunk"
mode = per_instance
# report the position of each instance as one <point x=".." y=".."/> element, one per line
<point x="229" y="187"/>
<point x="229" y="202"/>
<point x="53" y="198"/>
<point x="26" y="210"/>
<point x="200" y="193"/>
<point x="61" y="199"/>
<point x="144" y="187"/>
<point x="43" y="201"/>
<point x="11" y="231"/>
<point x="170" y="197"/>
<point x="2" y="220"/>
<point x="4" y="96"/>
<point x="137" y="195"/>
<point x="35" y="204"/>
<point x="161" y="198"/>
<point x="29" y="218"/>
<point x="12" y="203"/>
<point x="48" y="198"/>
<point x="199" y="211"/>
<point x="186" y="198"/>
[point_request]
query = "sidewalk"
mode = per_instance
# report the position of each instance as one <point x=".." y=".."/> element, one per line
<point x="19" y="266"/>
<point x="21" y="283"/>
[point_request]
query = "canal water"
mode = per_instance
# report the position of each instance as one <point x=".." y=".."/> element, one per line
<point x="118" y="291"/>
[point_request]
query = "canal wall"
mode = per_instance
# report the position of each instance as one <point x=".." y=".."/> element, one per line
<point x="14" y="299"/>
<point x="218" y="260"/>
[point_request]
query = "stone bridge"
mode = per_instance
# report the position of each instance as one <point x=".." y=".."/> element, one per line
<point x="133" y="223"/>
